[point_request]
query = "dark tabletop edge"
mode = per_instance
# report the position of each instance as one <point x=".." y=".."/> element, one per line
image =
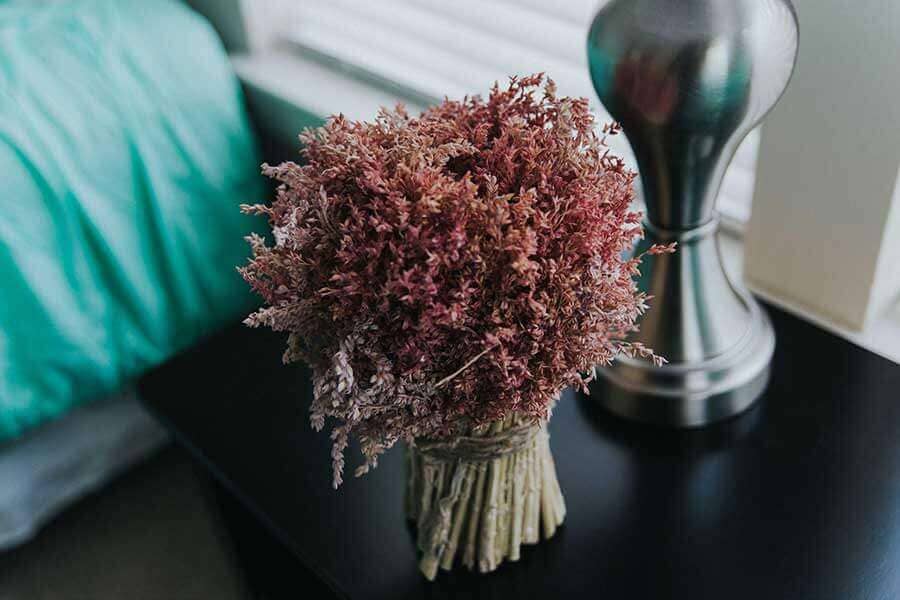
<point x="198" y="455"/>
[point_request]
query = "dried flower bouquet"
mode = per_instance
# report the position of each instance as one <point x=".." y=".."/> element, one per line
<point x="446" y="276"/>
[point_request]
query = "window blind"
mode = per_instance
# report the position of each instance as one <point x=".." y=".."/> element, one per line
<point x="427" y="49"/>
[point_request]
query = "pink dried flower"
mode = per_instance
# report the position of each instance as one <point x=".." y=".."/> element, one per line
<point x="450" y="269"/>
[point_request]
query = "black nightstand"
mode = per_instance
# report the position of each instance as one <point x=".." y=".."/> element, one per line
<point x="797" y="499"/>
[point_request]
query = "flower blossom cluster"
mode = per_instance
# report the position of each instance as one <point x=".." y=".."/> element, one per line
<point x="451" y="269"/>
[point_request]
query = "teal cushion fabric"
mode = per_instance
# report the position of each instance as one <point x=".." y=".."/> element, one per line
<point x="125" y="151"/>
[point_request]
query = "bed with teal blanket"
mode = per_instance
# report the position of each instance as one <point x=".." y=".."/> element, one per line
<point x="125" y="151"/>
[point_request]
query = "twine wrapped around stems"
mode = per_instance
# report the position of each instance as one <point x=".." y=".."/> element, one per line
<point x="481" y="496"/>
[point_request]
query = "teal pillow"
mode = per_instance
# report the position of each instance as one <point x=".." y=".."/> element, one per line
<point x="125" y="151"/>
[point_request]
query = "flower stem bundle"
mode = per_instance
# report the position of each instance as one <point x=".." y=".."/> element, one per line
<point x="478" y="507"/>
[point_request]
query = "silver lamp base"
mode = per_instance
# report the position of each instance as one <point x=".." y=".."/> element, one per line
<point x="687" y="80"/>
<point x="695" y="394"/>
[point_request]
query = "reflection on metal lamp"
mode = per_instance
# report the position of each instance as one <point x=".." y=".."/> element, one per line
<point x="687" y="80"/>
